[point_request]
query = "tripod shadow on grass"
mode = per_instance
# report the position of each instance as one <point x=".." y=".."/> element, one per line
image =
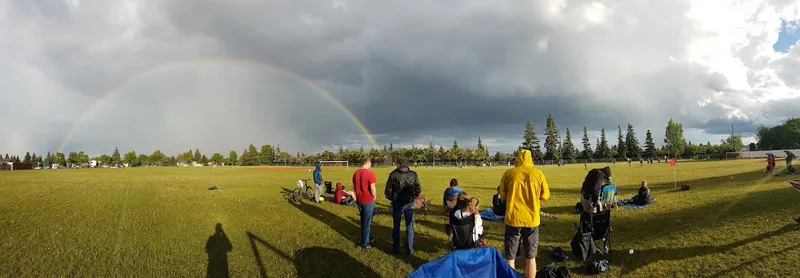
<point x="351" y="231"/>
<point x="314" y="261"/>
<point x="217" y="248"/>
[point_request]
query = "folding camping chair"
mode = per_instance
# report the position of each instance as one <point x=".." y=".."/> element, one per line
<point x="593" y="227"/>
<point x="608" y="196"/>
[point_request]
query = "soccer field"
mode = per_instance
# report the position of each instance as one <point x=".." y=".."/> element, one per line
<point x="160" y="222"/>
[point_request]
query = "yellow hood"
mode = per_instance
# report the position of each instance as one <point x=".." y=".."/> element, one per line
<point x="524" y="158"/>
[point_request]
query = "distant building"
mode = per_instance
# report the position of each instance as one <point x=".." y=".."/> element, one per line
<point x="94" y="163"/>
<point x="8" y="165"/>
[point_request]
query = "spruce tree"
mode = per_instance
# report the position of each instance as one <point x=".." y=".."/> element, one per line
<point x="569" y="148"/>
<point x="551" y="139"/>
<point x="587" y="145"/>
<point x="602" y="149"/>
<point x="530" y="141"/>
<point x="632" y="144"/>
<point x="115" y="157"/>
<point x="27" y="158"/>
<point x="650" y="146"/>
<point x="621" y="148"/>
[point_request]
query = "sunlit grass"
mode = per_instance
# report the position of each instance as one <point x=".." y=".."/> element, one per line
<point x="155" y="222"/>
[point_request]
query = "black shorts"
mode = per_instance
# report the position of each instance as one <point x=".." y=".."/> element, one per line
<point x="530" y="242"/>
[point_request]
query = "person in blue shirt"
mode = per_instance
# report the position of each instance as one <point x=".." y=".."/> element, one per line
<point x="317" y="182"/>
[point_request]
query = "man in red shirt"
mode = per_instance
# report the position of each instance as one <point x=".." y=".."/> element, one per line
<point x="364" y="185"/>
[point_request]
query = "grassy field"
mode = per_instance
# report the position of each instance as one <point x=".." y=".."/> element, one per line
<point x="160" y="222"/>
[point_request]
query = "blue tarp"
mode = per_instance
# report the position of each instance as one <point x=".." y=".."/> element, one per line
<point x="484" y="262"/>
<point x="488" y="214"/>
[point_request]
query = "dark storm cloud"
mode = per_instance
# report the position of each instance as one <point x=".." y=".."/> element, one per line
<point x="464" y="69"/>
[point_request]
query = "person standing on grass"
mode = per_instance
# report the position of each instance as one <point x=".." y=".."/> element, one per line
<point x="364" y="184"/>
<point x="523" y="188"/>
<point x="317" y="182"/>
<point x="402" y="188"/>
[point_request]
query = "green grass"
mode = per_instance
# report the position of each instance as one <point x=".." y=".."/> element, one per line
<point x="155" y="222"/>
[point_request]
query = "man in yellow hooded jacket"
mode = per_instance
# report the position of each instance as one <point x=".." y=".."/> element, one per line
<point x="523" y="188"/>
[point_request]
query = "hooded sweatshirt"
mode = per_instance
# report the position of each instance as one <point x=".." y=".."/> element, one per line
<point x="594" y="182"/>
<point x="318" y="174"/>
<point x="523" y="187"/>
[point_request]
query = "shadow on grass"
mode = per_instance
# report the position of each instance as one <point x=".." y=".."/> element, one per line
<point x="314" y="261"/>
<point x="217" y="247"/>
<point x="644" y="257"/>
<point x="688" y="220"/>
<point x="351" y="230"/>
<point x="750" y="262"/>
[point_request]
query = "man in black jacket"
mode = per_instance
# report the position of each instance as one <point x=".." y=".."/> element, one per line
<point x="402" y="188"/>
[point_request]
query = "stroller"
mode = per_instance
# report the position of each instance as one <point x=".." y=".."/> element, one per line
<point x="461" y="237"/>
<point x="593" y="227"/>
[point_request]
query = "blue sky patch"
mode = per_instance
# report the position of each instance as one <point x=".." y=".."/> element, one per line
<point x="788" y="36"/>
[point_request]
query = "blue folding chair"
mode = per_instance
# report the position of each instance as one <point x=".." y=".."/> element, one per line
<point x="608" y="195"/>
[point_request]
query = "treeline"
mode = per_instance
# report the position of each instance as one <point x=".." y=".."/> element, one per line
<point x="785" y="136"/>
<point x="555" y="148"/>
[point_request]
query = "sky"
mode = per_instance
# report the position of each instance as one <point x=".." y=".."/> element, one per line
<point x="218" y="75"/>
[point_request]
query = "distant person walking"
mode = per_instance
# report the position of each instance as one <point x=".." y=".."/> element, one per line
<point x="523" y="188"/>
<point x="317" y="182"/>
<point x="402" y="188"/>
<point x="364" y="184"/>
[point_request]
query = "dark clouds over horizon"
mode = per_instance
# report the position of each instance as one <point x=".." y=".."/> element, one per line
<point x="461" y="68"/>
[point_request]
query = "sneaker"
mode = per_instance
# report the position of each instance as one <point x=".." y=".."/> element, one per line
<point x="797" y="220"/>
<point x="368" y="247"/>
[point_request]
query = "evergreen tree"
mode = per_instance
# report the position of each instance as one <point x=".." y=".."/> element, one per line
<point x="602" y="148"/>
<point x="587" y="145"/>
<point x="621" y="148"/>
<point x="48" y="160"/>
<point x="530" y="141"/>
<point x="632" y="144"/>
<point x="198" y="156"/>
<point x="650" y="146"/>
<point x="204" y="160"/>
<point x="481" y="153"/>
<point x="569" y="148"/>
<point x="551" y="139"/>
<point x="115" y="157"/>
<point x="27" y="158"/>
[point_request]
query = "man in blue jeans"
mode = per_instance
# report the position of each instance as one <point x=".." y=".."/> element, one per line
<point x="364" y="184"/>
<point x="402" y="188"/>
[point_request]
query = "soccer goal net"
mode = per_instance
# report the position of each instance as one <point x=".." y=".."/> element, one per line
<point x="335" y="165"/>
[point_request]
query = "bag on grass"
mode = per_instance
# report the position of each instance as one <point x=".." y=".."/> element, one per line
<point x="558" y="254"/>
<point x="553" y="271"/>
<point x="597" y="267"/>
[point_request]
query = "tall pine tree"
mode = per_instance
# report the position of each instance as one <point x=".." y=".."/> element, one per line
<point x="551" y="139"/>
<point x="602" y="149"/>
<point x="587" y="145"/>
<point x="569" y="148"/>
<point x="530" y="141"/>
<point x="27" y="158"/>
<point x="621" y="148"/>
<point x="115" y="157"/>
<point x="649" y="145"/>
<point x="632" y="144"/>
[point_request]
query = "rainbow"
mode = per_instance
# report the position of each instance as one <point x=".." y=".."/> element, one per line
<point x="219" y="60"/>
